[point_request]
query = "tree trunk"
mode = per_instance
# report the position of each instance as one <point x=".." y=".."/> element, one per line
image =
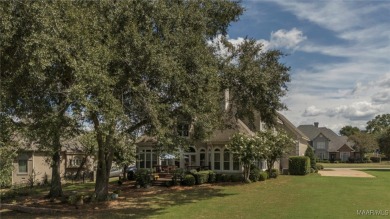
<point x="80" y="168"/>
<point x="105" y="156"/>
<point x="56" y="187"/>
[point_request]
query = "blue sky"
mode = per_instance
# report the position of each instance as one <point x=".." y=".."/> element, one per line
<point x="339" y="53"/>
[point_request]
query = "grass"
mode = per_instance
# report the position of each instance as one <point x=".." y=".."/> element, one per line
<point x="310" y="196"/>
<point x="383" y="164"/>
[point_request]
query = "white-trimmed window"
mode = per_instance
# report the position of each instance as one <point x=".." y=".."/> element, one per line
<point x="23" y="164"/>
<point x="217" y="159"/>
<point x="321" y="145"/>
<point x="226" y="159"/>
<point x="147" y="158"/>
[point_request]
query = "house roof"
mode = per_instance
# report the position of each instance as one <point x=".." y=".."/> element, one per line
<point x="292" y="127"/>
<point x="225" y="134"/>
<point x="335" y="141"/>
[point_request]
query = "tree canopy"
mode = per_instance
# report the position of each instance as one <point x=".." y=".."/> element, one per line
<point x="128" y="67"/>
<point x="379" y="124"/>
<point x="349" y="130"/>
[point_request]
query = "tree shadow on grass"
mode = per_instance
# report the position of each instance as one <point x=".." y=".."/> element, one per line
<point x="136" y="203"/>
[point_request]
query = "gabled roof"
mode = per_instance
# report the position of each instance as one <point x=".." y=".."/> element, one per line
<point x="223" y="136"/>
<point x="292" y="127"/>
<point x="335" y="141"/>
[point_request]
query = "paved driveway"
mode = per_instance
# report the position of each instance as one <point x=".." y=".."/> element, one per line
<point x="344" y="172"/>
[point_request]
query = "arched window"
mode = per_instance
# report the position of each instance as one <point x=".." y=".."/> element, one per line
<point x="217" y="159"/>
<point x="226" y="159"/>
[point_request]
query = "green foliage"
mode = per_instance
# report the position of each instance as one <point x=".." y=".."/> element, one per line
<point x="212" y="176"/>
<point x="349" y="130"/>
<point x="201" y="177"/>
<point x="384" y="142"/>
<point x="319" y="167"/>
<point x="254" y="174"/>
<point x="189" y="180"/>
<point x="310" y="153"/>
<point x="364" y="142"/>
<point x="248" y="149"/>
<point x="143" y="177"/>
<point x="299" y="165"/>
<point x="274" y="173"/>
<point x="178" y="175"/>
<point x="263" y="176"/>
<point x="379" y="124"/>
<point x="275" y="145"/>
<point x="236" y="178"/>
<point x="375" y="159"/>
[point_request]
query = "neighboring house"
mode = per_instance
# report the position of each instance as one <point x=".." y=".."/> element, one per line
<point x="212" y="153"/>
<point x="328" y="145"/>
<point x="34" y="164"/>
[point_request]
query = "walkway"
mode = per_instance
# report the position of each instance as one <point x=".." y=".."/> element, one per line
<point x="344" y="172"/>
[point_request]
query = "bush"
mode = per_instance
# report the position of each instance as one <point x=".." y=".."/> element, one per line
<point x="201" y="177"/>
<point x="274" y="173"/>
<point x="375" y="159"/>
<point x="299" y="165"/>
<point x="212" y="177"/>
<point x="263" y="176"/>
<point x="237" y="178"/>
<point x="143" y="177"/>
<point x="254" y="174"/>
<point x="189" y="180"/>
<point x="319" y="166"/>
<point x="178" y="176"/>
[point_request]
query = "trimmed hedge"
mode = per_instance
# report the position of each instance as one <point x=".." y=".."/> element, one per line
<point x="263" y="176"/>
<point x="299" y="165"/>
<point x="189" y="180"/>
<point x="201" y="177"/>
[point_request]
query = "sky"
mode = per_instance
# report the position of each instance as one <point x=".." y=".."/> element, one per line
<point x="338" y="51"/>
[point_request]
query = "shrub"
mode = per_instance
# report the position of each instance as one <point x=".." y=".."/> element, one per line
<point x="310" y="153"/>
<point x="299" y="165"/>
<point x="143" y="177"/>
<point x="254" y="174"/>
<point x="237" y="178"/>
<point x="375" y="159"/>
<point x="201" y="177"/>
<point x="189" y="180"/>
<point x="212" y="176"/>
<point x="263" y="176"/>
<point x="319" y="166"/>
<point x="274" y="173"/>
<point x="178" y="176"/>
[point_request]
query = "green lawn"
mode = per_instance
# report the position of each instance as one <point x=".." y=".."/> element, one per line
<point x="310" y="196"/>
<point x="383" y="164"/>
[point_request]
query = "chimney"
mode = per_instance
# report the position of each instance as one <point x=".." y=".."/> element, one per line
<point x="316" y="124"/>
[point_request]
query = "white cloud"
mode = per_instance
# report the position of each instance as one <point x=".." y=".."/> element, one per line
<point x="280" y="39"/>
<point x="355" y="111"/>
<point x="313" y="111"/>
<point x="289" y="39"/>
